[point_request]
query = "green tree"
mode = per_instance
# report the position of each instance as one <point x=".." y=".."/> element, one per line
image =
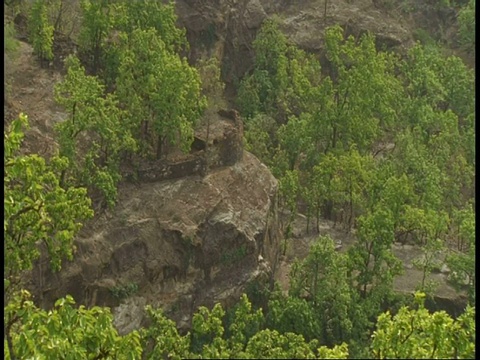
<point x="147" y="14"/>
<point x="320" y="193"/>
<point x="283" y="80"/>
<point x="424" y="225"/>
<point x="207" y="333"/>
<point x="340" y="184"/>
<point x="40" y="31"/>
<point x="259" y="137"/>
<point x="65" y="332"/>
<point x="161" y="338"/>
<point x="159" y="90"/>
<point x="322" y="278"/>
<point x="459" y="83"/>
<point x="295" y="315"/>
<point x="289" y="194"/>
<point x="372" y="267"/>
<point x="351" y="181"/>
<point x="96" y="26"/>
<point x="365" y="91"/>
<point x="248" y="98"/>
<point x="245" y="338"/>
<point x="393" y="192"/>
<point x="94" y="136"/>
<point x="38" y="210"/>
<point x="271" y="344"/>
<point x="462" y="260"/>
<point x="429" y="261"/>
<point x="418" y="334"/>
<point x="413" y="158"/>
<point x="466" y="21"/>
<point x="371" y="259"/>
<point x="293" y="139"/>
<point x="270" y="46"/>
<point x="245" y="324"/>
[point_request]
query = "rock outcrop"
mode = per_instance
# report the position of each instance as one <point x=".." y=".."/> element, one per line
<point x="176" y="243"/>
<point x="227" y="28"/>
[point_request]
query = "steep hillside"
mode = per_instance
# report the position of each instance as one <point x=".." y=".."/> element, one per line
<point x="197" y="229"/>
<point x="227" y="28"/>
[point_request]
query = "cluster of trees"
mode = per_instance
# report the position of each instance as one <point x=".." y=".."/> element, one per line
<point x="80" y="333"/>
<point x="321" y="314"/>
<point x="128" y="92"/>
<point x="466" y="22"/>
<point x="378" y="142"/>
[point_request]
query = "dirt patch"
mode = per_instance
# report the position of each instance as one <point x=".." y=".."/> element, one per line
<point x="31" y="92"/>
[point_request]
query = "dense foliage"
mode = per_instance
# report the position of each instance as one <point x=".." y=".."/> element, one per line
<point x="80" y="333"/>
<point x="156" y="100"/>
<point x="94" y="135"/>
<point x="37" y="208"/>
<point x="381" y="144"/>
<point x="403" y="335"/>
<point x="466" y="20"/>
<point x="41" y="31"/>
<point x="384" y="143"/>
<point x="160" y="92"/>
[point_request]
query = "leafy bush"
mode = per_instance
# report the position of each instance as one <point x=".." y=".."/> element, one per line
<point x="121" y="292"/>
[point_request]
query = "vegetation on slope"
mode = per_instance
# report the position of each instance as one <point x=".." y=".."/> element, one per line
<point x="381" y="144"/>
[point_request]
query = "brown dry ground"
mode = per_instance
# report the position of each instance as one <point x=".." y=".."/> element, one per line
<point x="30" y="91"/>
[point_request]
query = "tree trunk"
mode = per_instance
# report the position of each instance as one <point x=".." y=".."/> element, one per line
<point x="350" y="205"/>
<point x="308" y="219"/>
<point x="334" y="137"/>
<point x="159" y="146"/>
<point x="62" y="178"/>
<point x="328" y="206"/>
<point x="59" y="17"/>
<point x="206" y="145"/>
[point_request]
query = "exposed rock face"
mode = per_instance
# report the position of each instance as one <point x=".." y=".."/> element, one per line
<point x="227" y="28"/>
<point x="307" y="26"/>
<point x="225" y="148"/>
<point x="182" y="242"/>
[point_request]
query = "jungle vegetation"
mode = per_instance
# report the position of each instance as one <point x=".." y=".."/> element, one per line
<point x="380" y="143"/>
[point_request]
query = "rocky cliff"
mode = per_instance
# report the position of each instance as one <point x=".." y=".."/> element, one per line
<point x="227" y="28"/>
<point x="177" y="242"/>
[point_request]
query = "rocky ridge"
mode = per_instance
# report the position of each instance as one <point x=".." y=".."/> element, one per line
<point x="227" y="28"/>
<point x="177" y="243"/>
